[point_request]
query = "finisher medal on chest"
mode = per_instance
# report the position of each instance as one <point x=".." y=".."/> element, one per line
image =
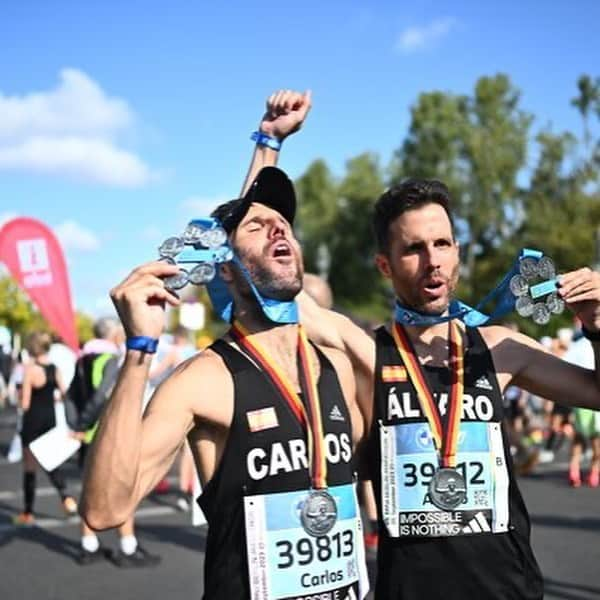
<point x="447" y="489"/>
<point x="319" y="513"/>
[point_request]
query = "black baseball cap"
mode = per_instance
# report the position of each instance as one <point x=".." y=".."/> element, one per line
<point x="272" y="187"/>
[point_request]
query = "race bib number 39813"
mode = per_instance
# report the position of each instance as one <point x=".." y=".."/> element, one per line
<point x="286" y="563"/>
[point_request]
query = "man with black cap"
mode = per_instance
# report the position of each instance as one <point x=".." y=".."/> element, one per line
<point x="271" y="419"/>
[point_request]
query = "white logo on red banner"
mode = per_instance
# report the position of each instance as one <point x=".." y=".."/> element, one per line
<point x="34" y="264"/>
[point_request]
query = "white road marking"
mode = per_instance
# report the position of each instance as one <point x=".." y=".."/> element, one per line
<point x="51" y="523"/>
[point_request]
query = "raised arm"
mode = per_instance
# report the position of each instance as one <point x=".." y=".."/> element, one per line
<point x="285" y="113"/>
<point x="129" y="454"/>
<point x="331" y="329"/>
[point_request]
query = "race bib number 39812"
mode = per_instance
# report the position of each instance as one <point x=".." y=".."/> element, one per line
<point x="286" y="563"/>
<point x="408" y="464"/>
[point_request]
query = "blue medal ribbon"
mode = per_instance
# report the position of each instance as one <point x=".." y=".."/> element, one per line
<point x="275" y="310"/>
<point x="473" y="317"/>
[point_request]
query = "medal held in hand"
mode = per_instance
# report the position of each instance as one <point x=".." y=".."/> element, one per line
<point x="447" y="488"/>
<point x="535" y="289"/>
<point x="202" y="245"/>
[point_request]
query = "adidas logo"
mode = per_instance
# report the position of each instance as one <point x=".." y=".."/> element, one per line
<point x="477" y="524"/>
<point x="483" y="383"/>
<point x="336" y="414"/>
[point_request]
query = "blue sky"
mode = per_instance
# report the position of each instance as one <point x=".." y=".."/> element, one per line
<point x="120" y="121"/>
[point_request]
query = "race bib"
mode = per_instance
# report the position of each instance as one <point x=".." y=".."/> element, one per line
<point x="408" y="463"/>
<point x="286" y="563"/>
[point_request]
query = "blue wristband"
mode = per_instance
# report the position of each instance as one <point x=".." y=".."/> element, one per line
<point x="143" y="343"/>
<point x="262" y="139"/>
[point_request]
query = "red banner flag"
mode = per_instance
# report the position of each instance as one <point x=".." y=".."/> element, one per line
<point x="35" y="259"/>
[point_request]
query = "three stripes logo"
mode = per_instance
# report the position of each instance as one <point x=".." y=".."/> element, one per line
<point x="483" y="383"/>
<point x="336" y="414"/>
<point x="477" y="524"/>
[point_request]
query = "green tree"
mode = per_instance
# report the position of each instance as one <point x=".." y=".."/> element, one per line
<point x="16" y="310"/>
<point x="588" y="99"/>
<point x="477" y="145"/>
<point x="353" y="276"/>
<point x="317" y="213"/>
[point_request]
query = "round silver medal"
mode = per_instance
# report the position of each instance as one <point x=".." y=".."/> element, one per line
<point x="528" y="267"/>
<point x="213" y="238"/>
<point x="555" y="304"/>
<point x="518" y="285"/>
<point x="447" y="488"/>
<point x="171" y="247"/>
<point x="524" y="306"/>
<point x="319" y="513"/>
<point x="177" y="281"/>
<point x="193" y="234"/>
<point x="202" y="273"/>
<point x="540" y="314"/>
<point x="546" y="268"/>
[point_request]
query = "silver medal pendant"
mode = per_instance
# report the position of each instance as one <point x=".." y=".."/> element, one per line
<point x="319" y="513"/>
<point x="447" y="488"/>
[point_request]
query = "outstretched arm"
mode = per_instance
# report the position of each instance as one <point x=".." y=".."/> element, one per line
<point x="285" y="113"/>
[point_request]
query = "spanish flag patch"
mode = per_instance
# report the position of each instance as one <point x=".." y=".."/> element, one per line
<point x="393" y="374"/>
<point x="264" y="418"/>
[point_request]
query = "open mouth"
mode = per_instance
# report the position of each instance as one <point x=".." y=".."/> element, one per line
<point x="434" y="287"/>
<point x="280" y="249"/>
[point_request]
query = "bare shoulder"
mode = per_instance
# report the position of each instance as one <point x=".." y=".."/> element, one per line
<point x="196" y="384"/>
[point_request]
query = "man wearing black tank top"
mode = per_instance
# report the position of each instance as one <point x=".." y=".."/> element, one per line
<point x="453" y="522"/>
<point x="271" y="420"/>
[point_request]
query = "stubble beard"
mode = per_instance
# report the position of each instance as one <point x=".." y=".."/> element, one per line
<point x="436" y="307"/>
<point x="277" y="286"/>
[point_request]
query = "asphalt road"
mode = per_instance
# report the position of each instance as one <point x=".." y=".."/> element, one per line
<point x="38" y="563"/>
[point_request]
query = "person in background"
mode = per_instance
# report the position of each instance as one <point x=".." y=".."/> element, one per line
<point x="560" y="419"/>
<point x="99" y="367"/>
<point x="586" y="422"/>
<point x="181" y="349"/>
<point x="41" y="382"/>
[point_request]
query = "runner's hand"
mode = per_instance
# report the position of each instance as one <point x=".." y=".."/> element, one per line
<point x="141" y="298"/>
<point x="286" y="111"/>
<point x="581" y="291"/>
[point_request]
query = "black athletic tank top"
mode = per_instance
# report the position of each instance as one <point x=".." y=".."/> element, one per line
<point x="266" y="460"/>
<point x="42" y="398"/>
<point x="479" y="564"/>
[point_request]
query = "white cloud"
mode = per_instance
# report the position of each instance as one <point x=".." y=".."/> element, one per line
<point x="74" y="236"/>
<point x="72" y="130"/>
<point x="414" y="39"/>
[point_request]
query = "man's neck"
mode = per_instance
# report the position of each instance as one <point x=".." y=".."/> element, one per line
<point x="425" y="334"/>
<point x="252" y="318"/>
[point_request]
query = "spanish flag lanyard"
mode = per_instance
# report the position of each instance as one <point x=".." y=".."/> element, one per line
<point x="319" y="510"/>
<point x="447" y="487"/>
